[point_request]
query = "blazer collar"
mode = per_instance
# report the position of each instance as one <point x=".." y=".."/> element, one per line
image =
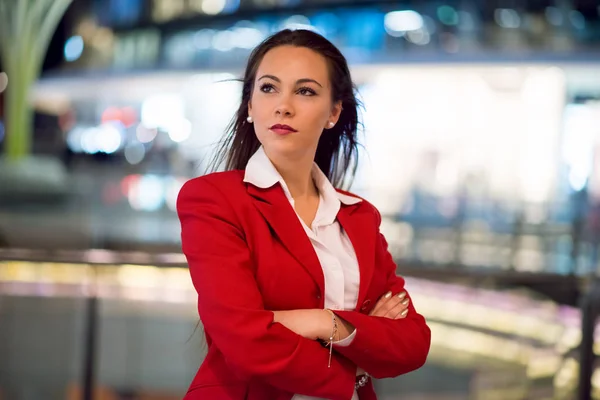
<point x="261" y="172"/>
<point x="272" y="198"/>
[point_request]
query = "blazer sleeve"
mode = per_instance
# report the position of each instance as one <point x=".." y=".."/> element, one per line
<point x="384" y="347"/>
<point x="231" y="307"/>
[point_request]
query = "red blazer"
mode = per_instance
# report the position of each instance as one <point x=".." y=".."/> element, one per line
<point x="248" y="256"/>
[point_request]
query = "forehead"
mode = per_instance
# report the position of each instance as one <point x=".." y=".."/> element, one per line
<point x="292" y="63"/>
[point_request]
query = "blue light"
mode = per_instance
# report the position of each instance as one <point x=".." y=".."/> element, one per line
<point x="327" y="22"/>
<point x="231" y="6"/>
<point x="447" y="15"/>
<point x="73" y="48"/>
<point x="1" y="131"/>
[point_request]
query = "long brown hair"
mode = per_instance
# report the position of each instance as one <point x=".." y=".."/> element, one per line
<point x="337" y="151"/>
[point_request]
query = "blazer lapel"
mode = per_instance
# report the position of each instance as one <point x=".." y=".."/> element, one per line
<point x="280" y="216"/>
<point x="360" y="228"/>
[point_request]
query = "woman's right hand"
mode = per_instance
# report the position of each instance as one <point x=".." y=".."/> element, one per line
<point x="392" y="307"/>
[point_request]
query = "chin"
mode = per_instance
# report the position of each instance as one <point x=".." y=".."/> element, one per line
<point x="284" y="146"/>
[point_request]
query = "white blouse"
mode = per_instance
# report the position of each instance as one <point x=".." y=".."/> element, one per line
<point x="331" y="243"/>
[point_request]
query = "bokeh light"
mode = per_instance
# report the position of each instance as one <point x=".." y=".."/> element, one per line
<point x="73" y="48"/>
<point x="3" y="81"/>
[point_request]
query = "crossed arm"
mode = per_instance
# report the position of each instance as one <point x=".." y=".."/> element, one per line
<point x="228" y="299"/>
<point x="392" y="340"/>
<point x="316" y="324"/>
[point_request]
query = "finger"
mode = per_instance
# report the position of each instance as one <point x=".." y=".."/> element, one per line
<point x="380" y="303"/>
<point x="403" y="314"/>
<point x="402" y="311"/>
<point x="388" y="303"/>
<point x="398" y="309"/>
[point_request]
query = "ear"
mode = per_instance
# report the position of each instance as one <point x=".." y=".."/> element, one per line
<point x="336" y="111"/>
<point x="249" y="107"/>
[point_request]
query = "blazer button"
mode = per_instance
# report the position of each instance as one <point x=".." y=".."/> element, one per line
<point x="365" y="305"/>
<point x="319" y="296"/>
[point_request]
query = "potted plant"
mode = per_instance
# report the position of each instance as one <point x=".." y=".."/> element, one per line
<point x="26" y="28"/>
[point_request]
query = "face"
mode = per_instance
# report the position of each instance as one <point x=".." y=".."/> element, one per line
<point x="291" y="103"/>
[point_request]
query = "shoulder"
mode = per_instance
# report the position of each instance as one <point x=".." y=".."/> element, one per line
<point x="211" y="186"/>
<point x="364" y="205"/>
<point x="217" y="181"/>
<point x="364" y="202"/>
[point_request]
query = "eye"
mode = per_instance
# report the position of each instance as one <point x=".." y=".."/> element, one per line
<point x="306" y="91"/>
<point x="267" y="88"/>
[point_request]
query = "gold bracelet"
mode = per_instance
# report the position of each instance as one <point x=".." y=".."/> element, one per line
<point x="334" y="331"/>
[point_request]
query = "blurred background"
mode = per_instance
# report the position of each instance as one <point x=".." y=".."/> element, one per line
<point x="481" y="149"/>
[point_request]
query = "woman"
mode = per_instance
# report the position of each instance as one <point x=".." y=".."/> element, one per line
<point x="297" y="291"/>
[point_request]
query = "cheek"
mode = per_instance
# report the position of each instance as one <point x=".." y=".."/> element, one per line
<point x="318" y="121"/>
<point x="316" y="113"/>
<point x="258" y="106"/>
<point x="262" y="104"/>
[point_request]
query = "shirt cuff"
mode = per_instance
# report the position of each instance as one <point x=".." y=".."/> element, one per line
<point x="347" y="341"/>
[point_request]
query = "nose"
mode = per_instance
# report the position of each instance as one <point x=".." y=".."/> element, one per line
<point x="285" y="107"/>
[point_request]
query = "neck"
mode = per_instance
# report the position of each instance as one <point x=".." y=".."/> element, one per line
<point x="297" y="174"/>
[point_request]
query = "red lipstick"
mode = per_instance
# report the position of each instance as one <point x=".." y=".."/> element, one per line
<point x="282" y="129"/>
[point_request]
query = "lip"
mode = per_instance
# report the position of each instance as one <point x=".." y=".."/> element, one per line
<point x="282" y="129"/>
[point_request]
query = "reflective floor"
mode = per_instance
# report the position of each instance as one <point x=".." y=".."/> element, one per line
<point x="485" y="345"/>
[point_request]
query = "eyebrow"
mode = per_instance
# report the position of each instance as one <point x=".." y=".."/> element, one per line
<point x="303" y="80"/>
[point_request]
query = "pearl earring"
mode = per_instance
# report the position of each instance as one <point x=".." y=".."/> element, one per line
<point x="331" y="124"/>
<point x="249" y="119"/>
